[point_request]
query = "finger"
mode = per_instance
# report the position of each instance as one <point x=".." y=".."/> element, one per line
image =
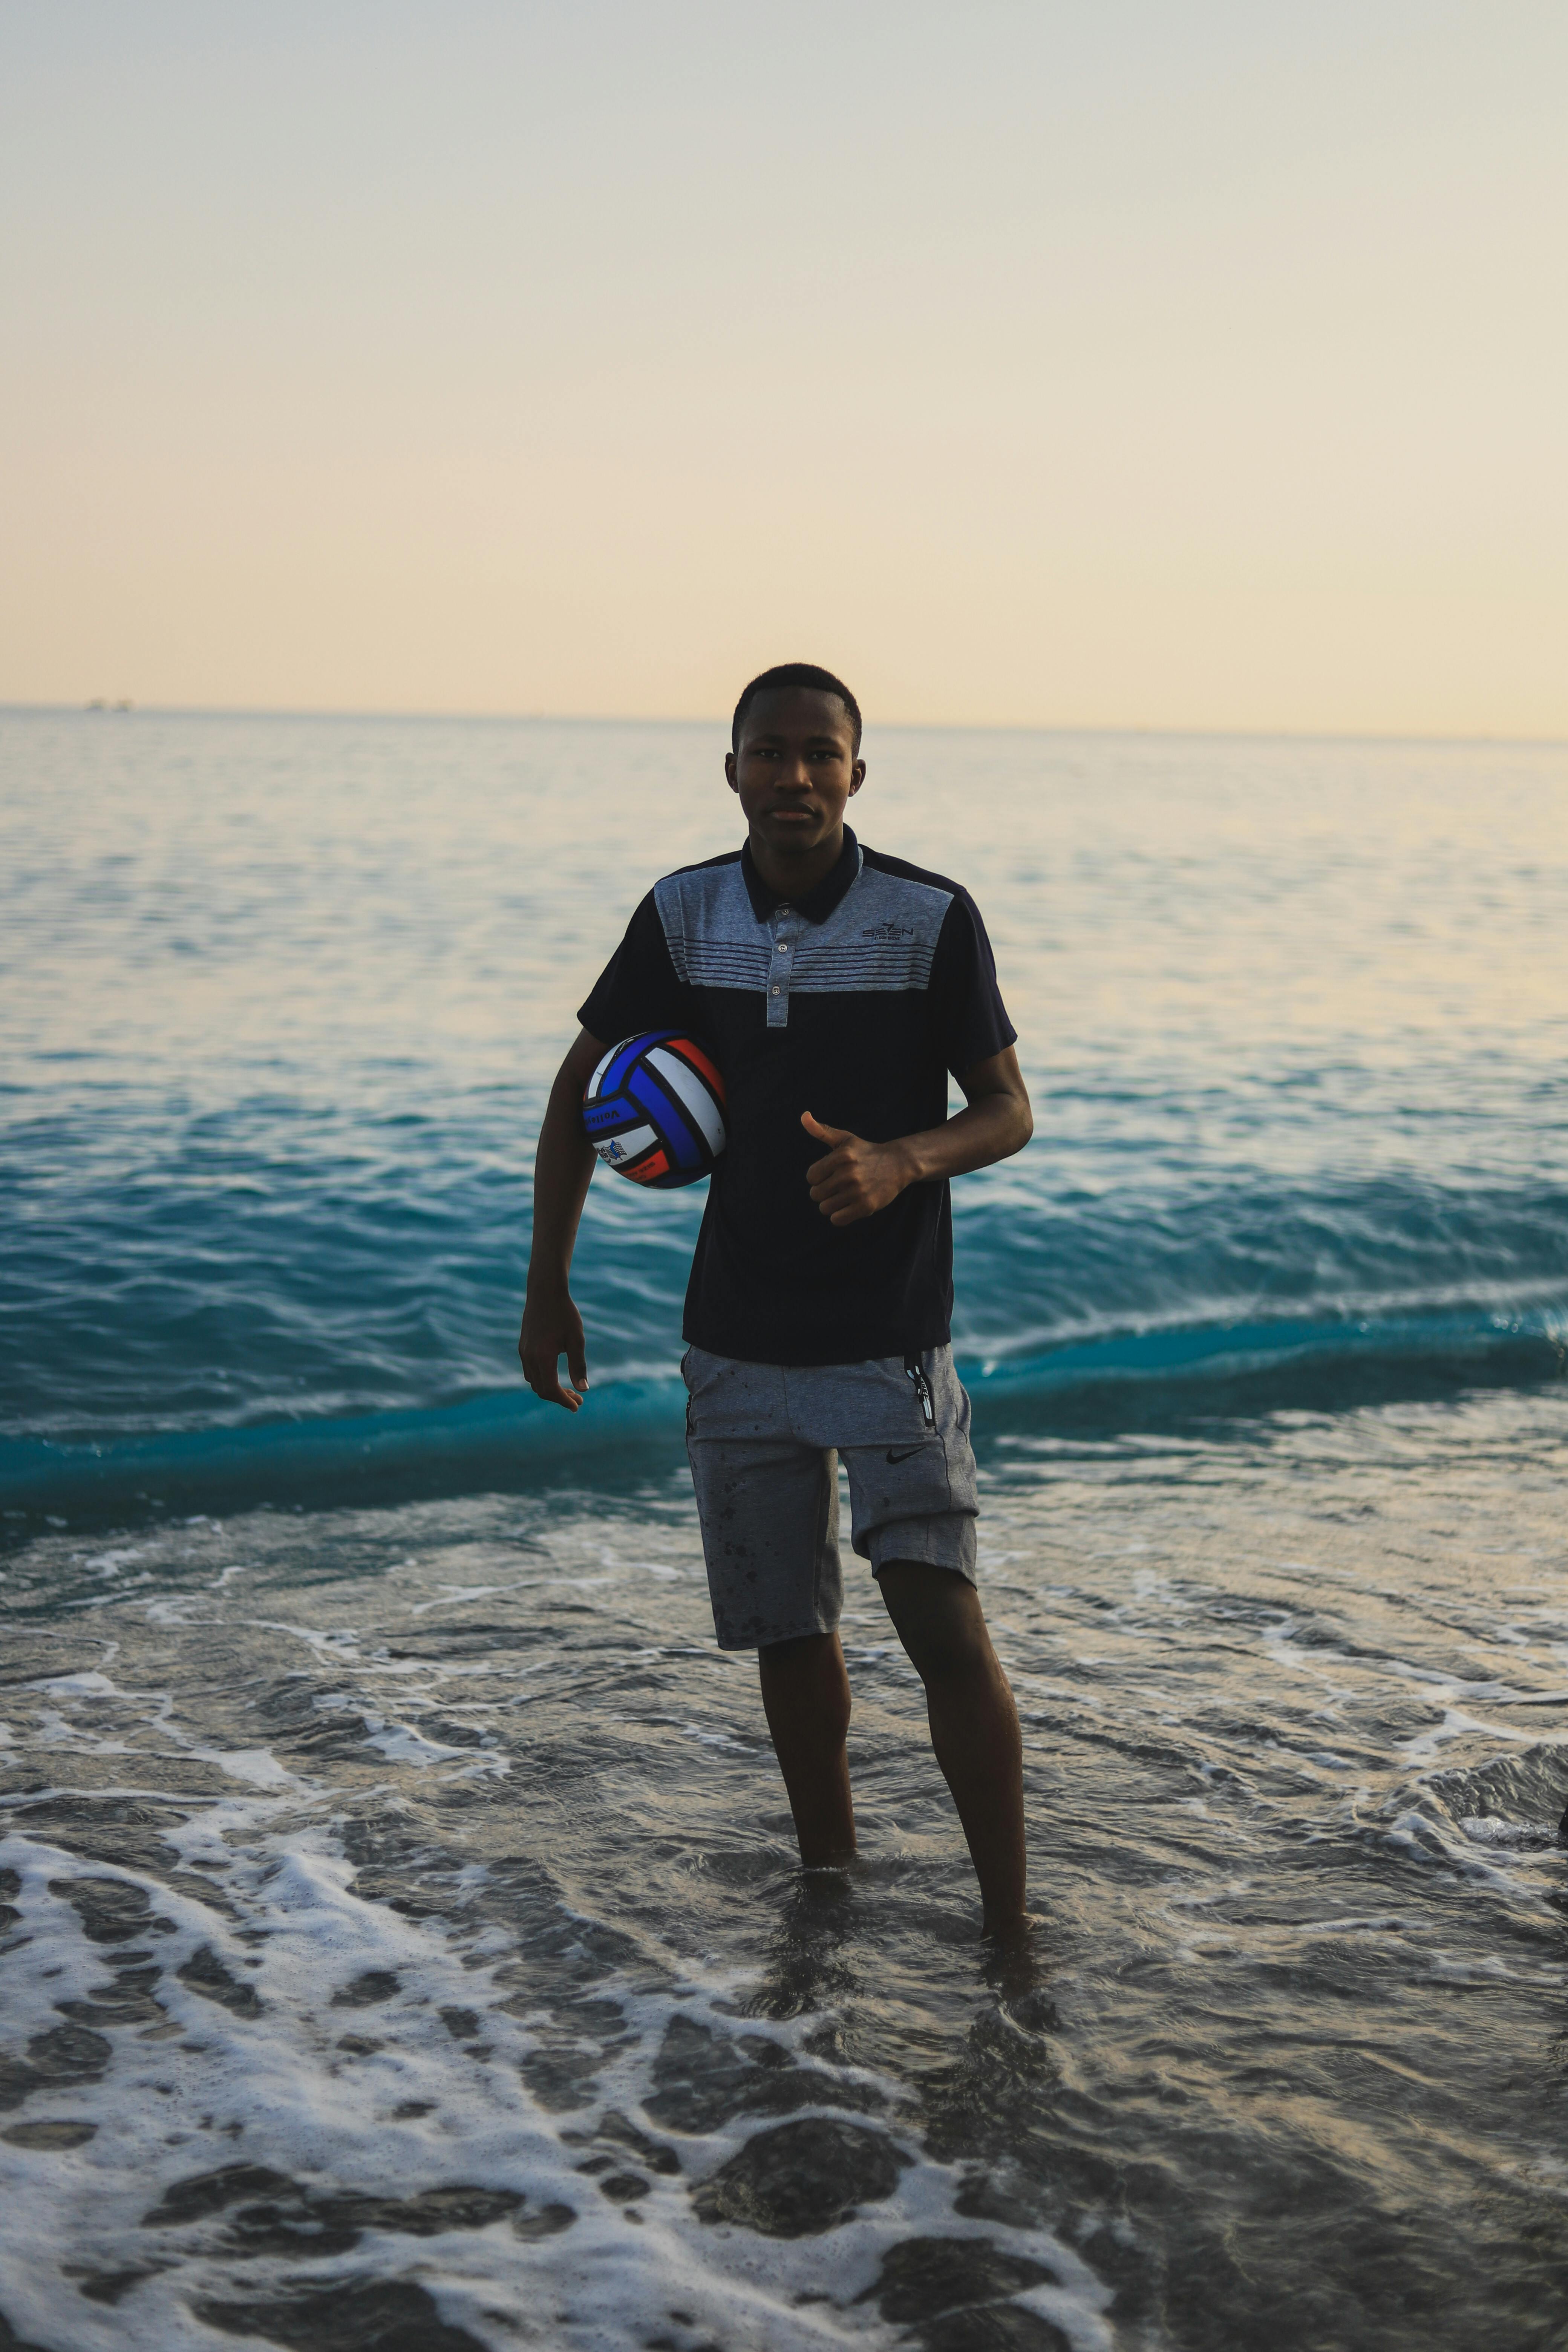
<point x="544" y="1380"/>
<point x="814" y="1126"/>
<point x="554" y="1393"/>
<point x="842" y="1176"/>
<point x="577" y="1365"/>
<point x="844" y="1196"/>
<point x="850" y="1216"/>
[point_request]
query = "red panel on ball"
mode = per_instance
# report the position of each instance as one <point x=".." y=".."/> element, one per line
<point x="690" y="1051"/>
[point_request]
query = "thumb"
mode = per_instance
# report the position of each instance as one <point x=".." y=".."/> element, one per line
<point x="814" y="1126"/>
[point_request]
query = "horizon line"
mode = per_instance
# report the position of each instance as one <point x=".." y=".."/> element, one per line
<point x="118" y="707"/>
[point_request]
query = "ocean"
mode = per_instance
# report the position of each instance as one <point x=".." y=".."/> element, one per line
<point x="403" y="1946"/>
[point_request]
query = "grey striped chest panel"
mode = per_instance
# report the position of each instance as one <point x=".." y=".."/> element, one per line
<point x="881" y="938"/>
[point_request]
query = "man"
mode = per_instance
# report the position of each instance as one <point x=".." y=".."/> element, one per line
<point x="835" y="988"/>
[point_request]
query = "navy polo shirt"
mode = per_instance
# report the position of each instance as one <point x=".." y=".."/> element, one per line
<point x="853" y="1003"/>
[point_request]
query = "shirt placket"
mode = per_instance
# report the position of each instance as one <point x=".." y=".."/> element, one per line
<point x="785" y="931"/>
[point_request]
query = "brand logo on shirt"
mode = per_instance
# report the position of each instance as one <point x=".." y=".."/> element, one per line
<point x="888" y="932"/>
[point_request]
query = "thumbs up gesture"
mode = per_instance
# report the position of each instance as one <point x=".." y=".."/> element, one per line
<point x="855" y="1179"/>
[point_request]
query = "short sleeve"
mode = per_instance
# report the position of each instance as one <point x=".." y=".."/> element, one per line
<point x="968" y="1019"/>
<point x="638" y="988"/>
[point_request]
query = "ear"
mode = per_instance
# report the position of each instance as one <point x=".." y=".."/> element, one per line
<point x="857" y="776"/>
<point x="730" y="776"/>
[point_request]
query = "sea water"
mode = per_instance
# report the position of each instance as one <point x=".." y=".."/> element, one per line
<point x="402" y="1944"/>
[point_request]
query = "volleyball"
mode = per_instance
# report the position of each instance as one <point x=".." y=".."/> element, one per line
<point x="654" y="1109"/>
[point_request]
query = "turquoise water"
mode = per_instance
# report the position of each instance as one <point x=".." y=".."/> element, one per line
<point x="284" y="997"/>
<point x="407" y="1932"/>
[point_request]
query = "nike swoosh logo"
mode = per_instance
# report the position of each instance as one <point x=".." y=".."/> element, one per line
<point x="908" y="1453"/>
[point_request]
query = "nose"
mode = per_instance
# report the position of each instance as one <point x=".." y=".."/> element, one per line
<point x="795" y="775"/>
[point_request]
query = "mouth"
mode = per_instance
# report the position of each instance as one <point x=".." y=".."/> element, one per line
<point x="791" y="816"/>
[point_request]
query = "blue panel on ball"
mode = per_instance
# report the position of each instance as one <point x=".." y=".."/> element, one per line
<point x="616" y="1075"/>
<point x="598" y="1116"/>
<point x="669" y="1121"/>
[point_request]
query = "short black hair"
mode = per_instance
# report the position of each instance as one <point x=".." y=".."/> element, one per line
<point x="806" y="674"/>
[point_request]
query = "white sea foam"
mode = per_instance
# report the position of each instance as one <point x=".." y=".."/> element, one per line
<point x="257" y="1765"/>
<point x="1525" y="1836"/>
<point x="378" y="2096"/>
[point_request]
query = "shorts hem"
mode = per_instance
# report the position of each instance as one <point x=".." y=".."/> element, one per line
<point x="769" y="1639"/>
<point x="929" y="1543"/>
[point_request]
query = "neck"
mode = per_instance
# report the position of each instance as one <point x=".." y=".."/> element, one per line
<point x="790" y="874"/>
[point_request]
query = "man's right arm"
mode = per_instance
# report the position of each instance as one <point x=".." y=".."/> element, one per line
<point x="552" y="1327"/>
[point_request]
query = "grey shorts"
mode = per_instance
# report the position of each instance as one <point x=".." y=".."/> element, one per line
<point x="764" y="1442"/>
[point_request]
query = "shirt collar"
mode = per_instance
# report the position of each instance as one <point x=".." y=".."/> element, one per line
<point x="819" y="901"/>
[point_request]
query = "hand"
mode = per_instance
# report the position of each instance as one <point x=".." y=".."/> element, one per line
<point x="552" y="1328"/>
<point x="856" y="1178"/>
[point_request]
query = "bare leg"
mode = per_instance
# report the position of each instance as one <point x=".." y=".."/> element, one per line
<point x="806" y="1693"/>
<point x="973" y="1724"/>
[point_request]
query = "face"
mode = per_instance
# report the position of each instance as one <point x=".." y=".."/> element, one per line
<point x="795" y="768"/>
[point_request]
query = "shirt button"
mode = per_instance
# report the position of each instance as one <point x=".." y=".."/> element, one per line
<point x="774" y="990"/>
<point x="783" y="947"/>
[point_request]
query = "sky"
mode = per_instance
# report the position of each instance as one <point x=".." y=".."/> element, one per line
<point x="1112" y="363"/>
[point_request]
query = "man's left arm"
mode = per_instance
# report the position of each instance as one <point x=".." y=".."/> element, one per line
<point x="855" y="1177"/>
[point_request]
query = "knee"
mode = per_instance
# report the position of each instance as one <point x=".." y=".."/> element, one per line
<point x="938" y="1618"/>
<point x="949" y="1660"/>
